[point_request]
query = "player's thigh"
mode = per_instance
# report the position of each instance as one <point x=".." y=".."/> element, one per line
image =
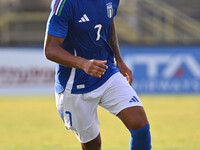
<point x="133" y="117"/>
<point x="121" y="100"/>
<point x="79" y="115"/>
<point x="119" y="95"/>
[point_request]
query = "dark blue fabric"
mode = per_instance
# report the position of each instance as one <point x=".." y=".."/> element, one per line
<point x="81" y="34"/>
<point x="141" y="139"/>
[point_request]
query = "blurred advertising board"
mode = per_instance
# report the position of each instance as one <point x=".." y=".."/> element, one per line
<point x="156" y="69"/>
<point x="25" y="71"/>
<point x="164" y="69"/>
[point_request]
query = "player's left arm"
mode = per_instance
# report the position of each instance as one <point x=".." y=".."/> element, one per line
<point x="125" y="71"/>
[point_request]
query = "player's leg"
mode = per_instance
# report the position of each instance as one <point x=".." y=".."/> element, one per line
<point x="92" y="145"/>
<point x="121" y="100"/>
<point x="79" y="113"/>
<point x="133" y="117"/>
<point x="136" y="121"/>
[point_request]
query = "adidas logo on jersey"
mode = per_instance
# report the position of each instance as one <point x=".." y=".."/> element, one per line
<point x="84" y="19"/>
<point x="134" y="99"/>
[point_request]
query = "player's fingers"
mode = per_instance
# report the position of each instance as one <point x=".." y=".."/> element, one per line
<point x="96" y="74"/>
<point x="96" y="68"/>
<point x="96" y="71"/>
<point x="124" y="74"/>
<point x="102" y="63"/>
<point x="100" y="70"/>
<point x="129" y="78"/>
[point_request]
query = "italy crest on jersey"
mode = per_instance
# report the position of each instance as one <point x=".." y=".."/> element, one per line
<point x="109" y="10"/>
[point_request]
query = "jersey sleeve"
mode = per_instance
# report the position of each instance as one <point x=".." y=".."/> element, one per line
<point x="57" y="24"/>
<point x="116" y="5"/>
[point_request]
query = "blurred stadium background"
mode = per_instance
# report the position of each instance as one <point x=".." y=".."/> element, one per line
<point x="138" y="22"/>
<point x="160" y="42"/>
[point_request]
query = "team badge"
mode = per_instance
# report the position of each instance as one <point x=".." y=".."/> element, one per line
<point x="109" y="10"/>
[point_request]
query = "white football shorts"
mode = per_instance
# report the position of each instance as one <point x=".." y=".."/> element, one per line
<point x="79" y="111"/>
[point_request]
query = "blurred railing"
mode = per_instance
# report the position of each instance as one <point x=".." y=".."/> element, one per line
<point x="155" y="22"/>
<point x="23" y="22"/>
<point x="23" y="27"/>
<point x="138" y="22"/>
<point x="161" y="23"/>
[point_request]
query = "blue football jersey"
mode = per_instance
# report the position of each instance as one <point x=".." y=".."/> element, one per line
<point x="86" y="27"/>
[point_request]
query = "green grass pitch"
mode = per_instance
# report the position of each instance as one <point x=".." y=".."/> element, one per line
<point x="32" y="123"/>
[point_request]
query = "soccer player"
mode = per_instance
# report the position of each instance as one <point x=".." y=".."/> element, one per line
<point x="81" y="39"/>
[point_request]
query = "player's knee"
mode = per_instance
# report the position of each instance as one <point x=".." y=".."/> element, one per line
<point x="134" y="117"/>
<point x="92" y="145"/>
<point x="140" y="119"/>
<point x="98" y="145"/>
<point x="140" y="123"/>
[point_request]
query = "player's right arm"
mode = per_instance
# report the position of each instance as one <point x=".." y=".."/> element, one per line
<point x="57" y="30"/>
<point x="54" y="52"/>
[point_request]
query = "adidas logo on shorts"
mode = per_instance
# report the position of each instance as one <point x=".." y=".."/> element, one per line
<point x="134" y="99"/>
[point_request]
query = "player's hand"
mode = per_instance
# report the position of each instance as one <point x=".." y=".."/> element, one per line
<point x="125" y="71"/>
<point x="95" y="68"/>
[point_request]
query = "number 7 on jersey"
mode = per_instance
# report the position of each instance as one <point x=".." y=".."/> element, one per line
<point x="99" y="26"/>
